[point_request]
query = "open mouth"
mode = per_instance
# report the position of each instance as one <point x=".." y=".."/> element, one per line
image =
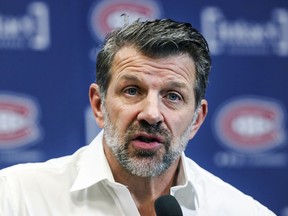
<point x="147" y="142"/>
<point x="147" y="139"/>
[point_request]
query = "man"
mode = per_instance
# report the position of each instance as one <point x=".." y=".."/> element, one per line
<point x="149" y="100"/>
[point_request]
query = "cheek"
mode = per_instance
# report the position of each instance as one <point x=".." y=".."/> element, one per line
<point x="178" y="123"/>
<point x="120" y="116"/>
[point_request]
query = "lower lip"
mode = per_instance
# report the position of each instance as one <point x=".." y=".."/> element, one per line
<point x="137" y="144"/>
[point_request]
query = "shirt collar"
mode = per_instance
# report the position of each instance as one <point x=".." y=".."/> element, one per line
<point x="90" y="171"/>
<point x="185" y="190"/>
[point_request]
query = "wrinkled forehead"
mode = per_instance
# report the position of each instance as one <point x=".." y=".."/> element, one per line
<point x="129" y="53"/>
<point x="129" y="63"/>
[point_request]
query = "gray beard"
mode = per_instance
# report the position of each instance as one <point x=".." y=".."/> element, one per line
<point x="143" y="163"/>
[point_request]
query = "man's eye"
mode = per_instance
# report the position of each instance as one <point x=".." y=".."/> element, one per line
<point x="131" y="91"/>
<point x="174" y="96"/>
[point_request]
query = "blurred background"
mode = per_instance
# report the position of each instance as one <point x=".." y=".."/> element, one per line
<point x="47" y="62"/>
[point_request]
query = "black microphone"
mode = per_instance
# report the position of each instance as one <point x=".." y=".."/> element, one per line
<point x="167" y="205"/>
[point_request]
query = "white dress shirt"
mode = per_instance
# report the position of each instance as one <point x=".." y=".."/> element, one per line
<point x="82" y="184"/>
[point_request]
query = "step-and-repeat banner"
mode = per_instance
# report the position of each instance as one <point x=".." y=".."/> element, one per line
<point x="47" y="62"/>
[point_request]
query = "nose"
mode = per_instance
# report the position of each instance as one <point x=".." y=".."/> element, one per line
<point x="150" y="110"/>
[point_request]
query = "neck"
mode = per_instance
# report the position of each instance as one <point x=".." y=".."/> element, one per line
<point x="144" y="191"/>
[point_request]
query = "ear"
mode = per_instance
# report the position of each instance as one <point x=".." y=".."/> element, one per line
<point x="202" y="113"/>
<point x="95" y="102"/>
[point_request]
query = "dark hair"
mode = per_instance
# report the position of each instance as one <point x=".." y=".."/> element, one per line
<point x="158" y="39"/>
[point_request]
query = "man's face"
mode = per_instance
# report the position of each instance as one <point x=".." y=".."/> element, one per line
<point x="148" y="111"/>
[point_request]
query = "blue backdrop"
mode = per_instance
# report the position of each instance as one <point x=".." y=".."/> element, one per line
<point x="47" y="62"/>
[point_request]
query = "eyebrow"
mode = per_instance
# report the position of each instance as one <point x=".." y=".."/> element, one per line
<point x="177" y="84"/>
<point x="129" y="77"/>
<point x="170" y="84"/>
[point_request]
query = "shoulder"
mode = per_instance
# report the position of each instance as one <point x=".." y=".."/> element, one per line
<point x="204" y="178"/>
<point x="39" y="173"/>
<point x="220" y="195"/>
<point x="24" y="184"/>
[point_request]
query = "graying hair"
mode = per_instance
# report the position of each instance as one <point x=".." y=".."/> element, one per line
<point x="157" y="39"/>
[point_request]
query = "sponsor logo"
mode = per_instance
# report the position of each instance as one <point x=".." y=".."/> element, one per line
<point x="251" y="128"/>
<point x="251" y="125"/>
<point x="243" y="37"/>
<point x="107" y="15"/>
<point x="18" y="121"/>
<point x="27" y="31"/>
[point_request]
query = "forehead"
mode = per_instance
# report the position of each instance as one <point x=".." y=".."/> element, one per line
<point x="129" y="59"/>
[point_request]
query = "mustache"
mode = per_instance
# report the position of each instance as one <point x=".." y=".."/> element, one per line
<point x="144" y="126"/>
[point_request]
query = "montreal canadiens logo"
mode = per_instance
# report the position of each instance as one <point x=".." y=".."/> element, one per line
<point x="251" y="125"/>
<point x="18" y="121"/>
<point x="107" y="15"/>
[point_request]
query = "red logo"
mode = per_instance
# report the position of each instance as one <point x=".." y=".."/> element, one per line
<point x="251" y="125"/>
<point x="18" y="121"/>
<point x="106" y="15"/>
